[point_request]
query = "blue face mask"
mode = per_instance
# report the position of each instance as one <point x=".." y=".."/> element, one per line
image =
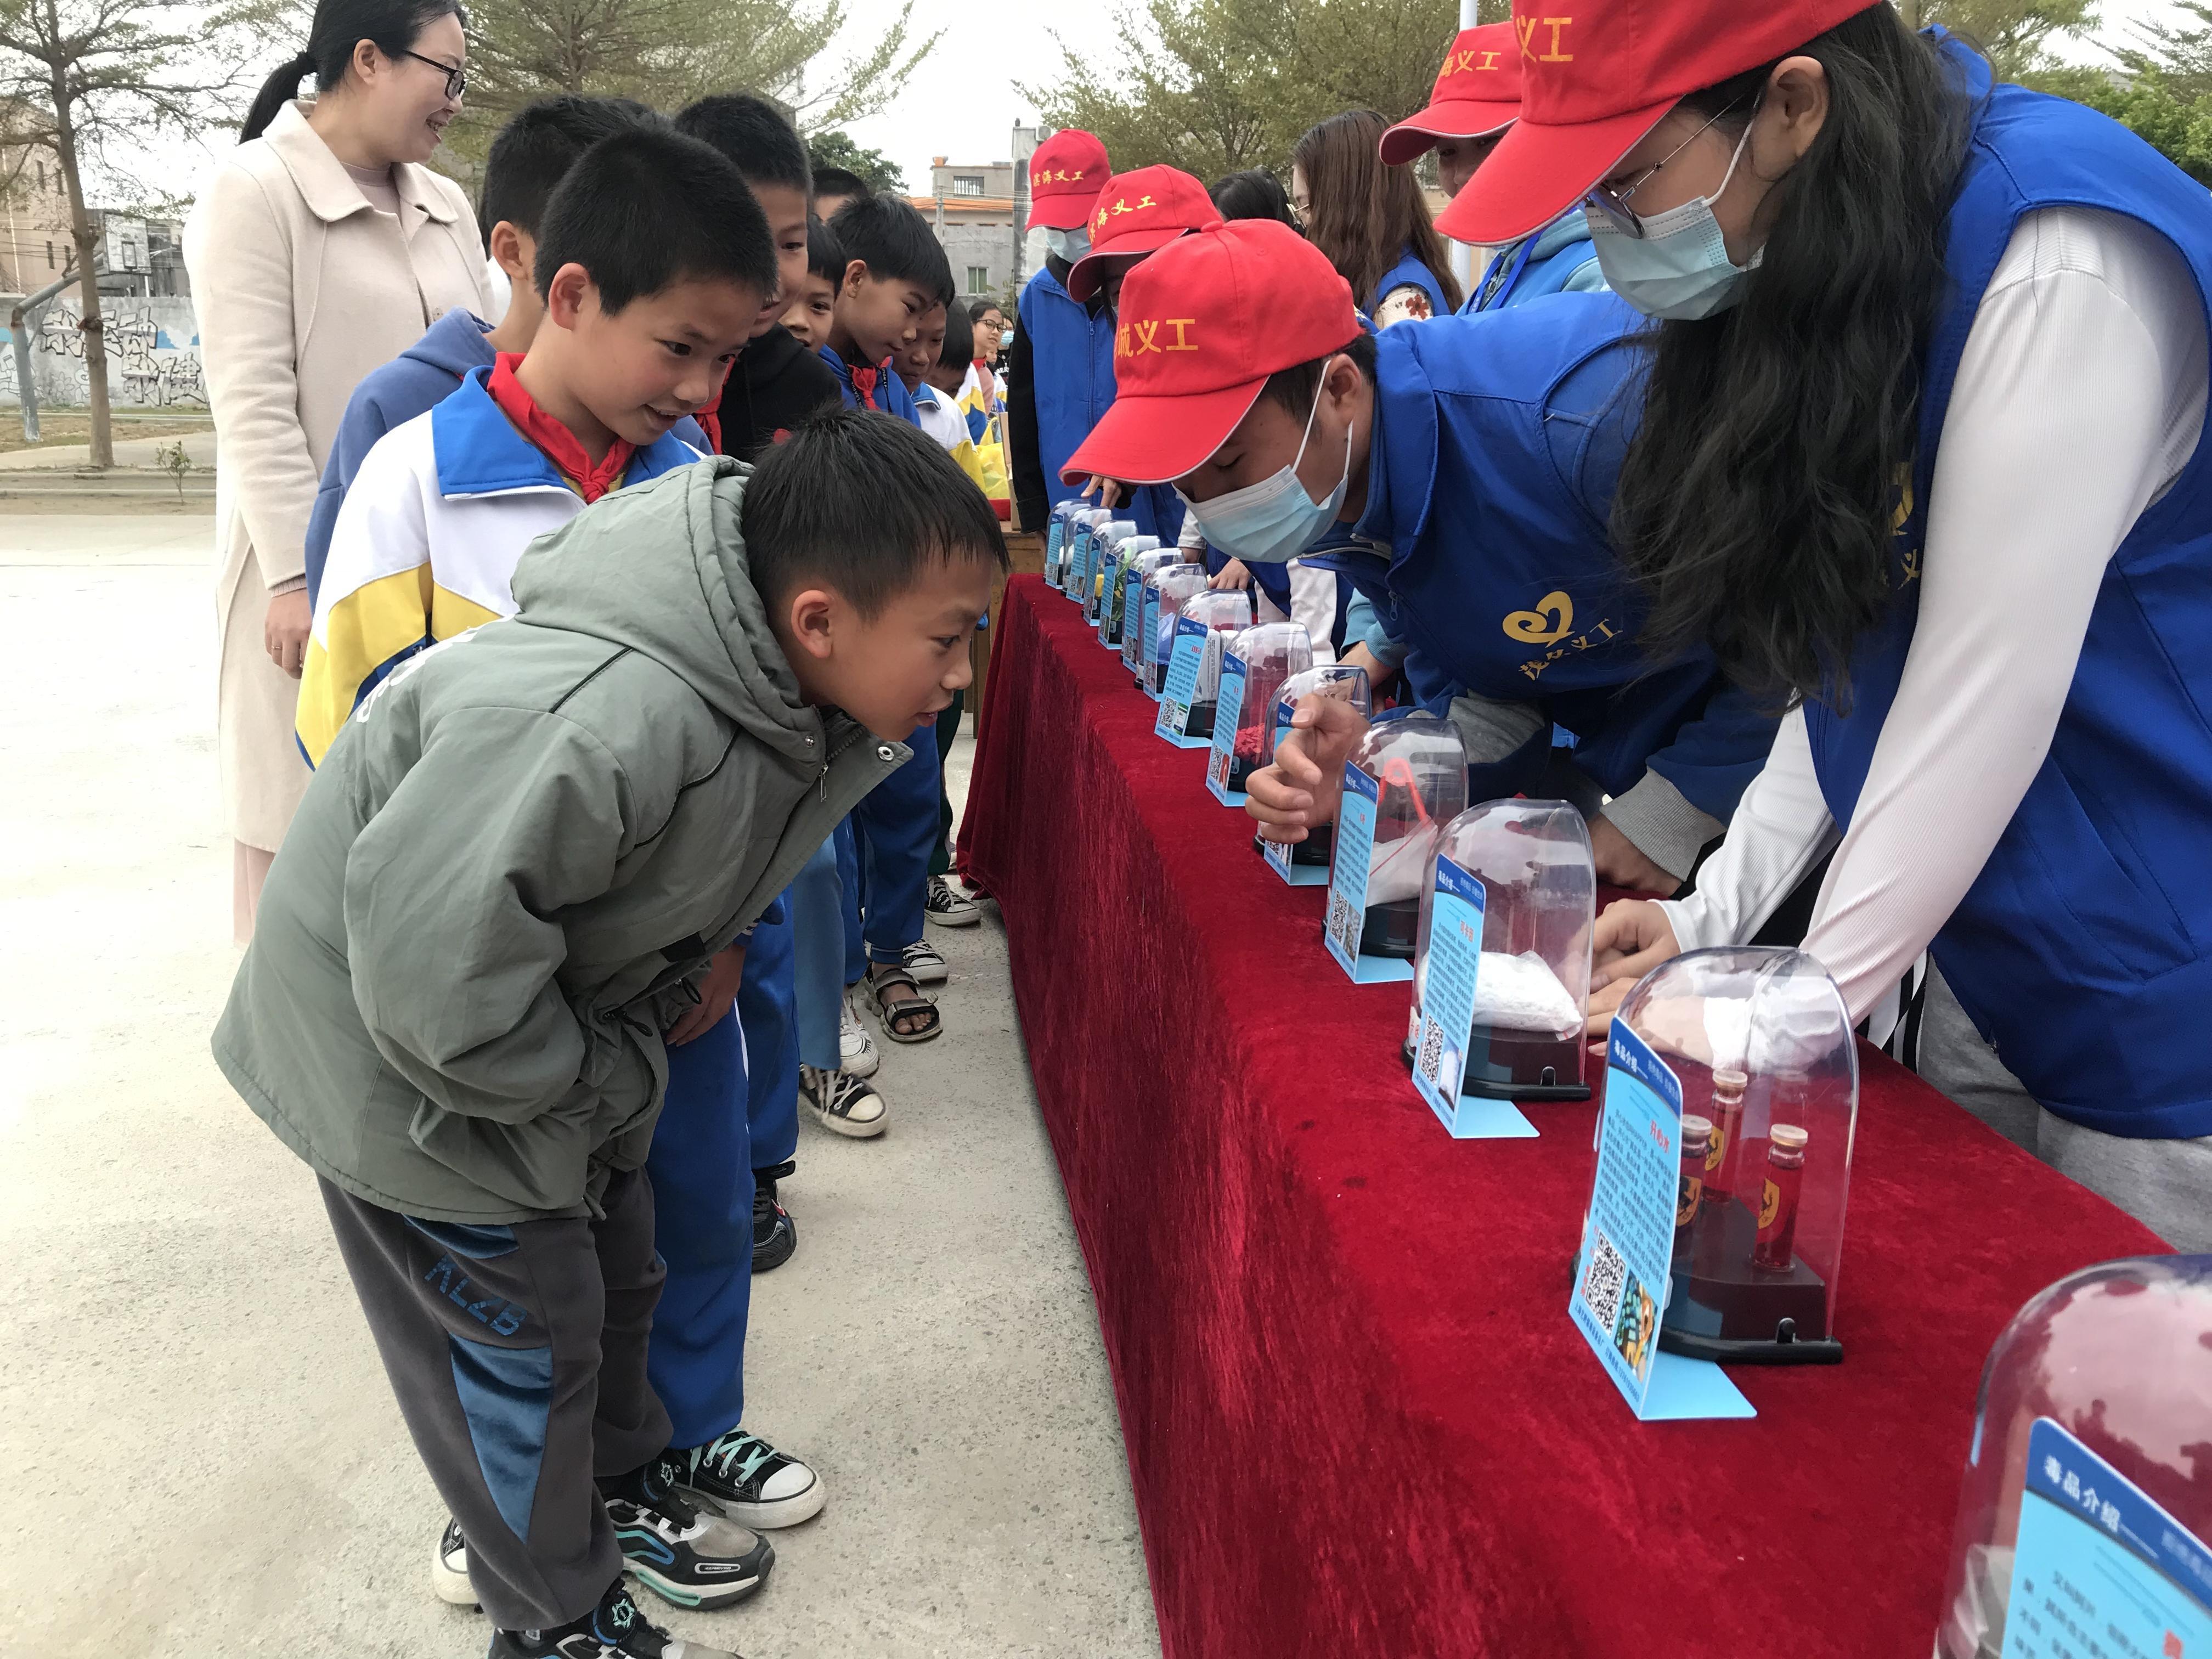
<point x="1273" y="521"/>
<point x="1680" y="267"/>
<point x="1069" y="244"/>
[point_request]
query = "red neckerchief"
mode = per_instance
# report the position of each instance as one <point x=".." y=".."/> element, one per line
<point x="558" y="443"/>
<point x="864" y="382"/>
<point x="710" y="418"/>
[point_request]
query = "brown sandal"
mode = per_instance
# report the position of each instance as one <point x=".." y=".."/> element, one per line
<point x="911" y="1018"/>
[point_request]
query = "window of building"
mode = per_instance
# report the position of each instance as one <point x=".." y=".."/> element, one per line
<point x="967" y="184"/>
<point x="978" y="279"/>
<point x="50" y="256"/>
<point x="42" y="177"/>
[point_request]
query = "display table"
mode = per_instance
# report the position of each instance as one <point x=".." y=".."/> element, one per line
<point x="1358" y="1420"/>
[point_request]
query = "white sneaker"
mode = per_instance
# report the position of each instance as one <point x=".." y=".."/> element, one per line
<point x="923" y="962"/>
<point x="856" y="1049"/>
<point x="449" y="1569"/>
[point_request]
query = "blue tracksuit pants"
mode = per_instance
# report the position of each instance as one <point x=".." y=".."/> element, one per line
<point x="896" y="831"/>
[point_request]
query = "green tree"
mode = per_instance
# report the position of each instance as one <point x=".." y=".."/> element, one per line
<point x="79" y="78"/>
<point x="837" y="149"/>
<point x="667" y="52"/>
<point x="1213" y="86"/>
<point x="2164" y="91"/>
<point x="2016" y="35"/>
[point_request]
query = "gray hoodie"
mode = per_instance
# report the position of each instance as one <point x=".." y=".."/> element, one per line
<point x="517" y="858"/>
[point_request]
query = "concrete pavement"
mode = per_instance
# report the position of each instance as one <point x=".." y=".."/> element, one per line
<point x="197" y="1446"/>
<point x="199" y="449"/>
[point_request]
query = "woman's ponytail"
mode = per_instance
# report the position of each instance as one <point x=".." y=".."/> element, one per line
<point x="282" y="87"/>
<point x="339" y="26"/>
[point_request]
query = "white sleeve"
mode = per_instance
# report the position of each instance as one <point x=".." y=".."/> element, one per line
<point x="1780" y="831"/>
<point x="1313" y="604"/>
<point x="2078" y="399"/>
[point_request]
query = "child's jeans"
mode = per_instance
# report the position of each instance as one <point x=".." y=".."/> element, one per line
<point x="819" y="948"/>
<point x="517" y="1354"/>
<point x="896" y="825"/>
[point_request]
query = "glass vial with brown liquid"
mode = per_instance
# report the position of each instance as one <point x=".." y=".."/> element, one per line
<point x="1778" y="1203"/>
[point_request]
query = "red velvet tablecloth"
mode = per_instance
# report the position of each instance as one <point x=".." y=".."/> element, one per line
<point x="1359" y="1419"/>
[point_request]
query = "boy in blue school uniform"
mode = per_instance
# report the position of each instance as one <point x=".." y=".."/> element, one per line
<point x="896" y="277"/>
<point x="531" y="154"/>
<point x="419" y="518"/>
<point x="1471" y="460"/>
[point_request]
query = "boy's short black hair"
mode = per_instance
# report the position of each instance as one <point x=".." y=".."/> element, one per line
<point x="838" y="181"/>
<point x="533" y="152"/>
<point x="861" y="503"/>
<point x="649" y="207"/>
<point x="754" y="133"/>
<point x="824" y="257"/>
<point x="960" y="345"/>
<point x="897" y="244"/>
<point x="1295" y="387"/>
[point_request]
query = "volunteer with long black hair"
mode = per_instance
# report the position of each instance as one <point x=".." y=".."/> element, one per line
<point x="1466" y="463"/>
<point x="1922" y="444"/>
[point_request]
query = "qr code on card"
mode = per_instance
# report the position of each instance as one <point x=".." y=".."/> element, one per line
<point x="1603" y="1279"/>
<point x="1343" y="924"/>
<point x="1431" y="1061"/>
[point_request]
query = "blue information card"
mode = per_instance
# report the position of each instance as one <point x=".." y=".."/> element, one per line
<point x="1226" y="712"/>
<point x="1055" y="542"/>
<point x="1348" y="885"/>
<point x="1447" y="1013"/>
<point x="1148" y="650"/>
<point x="1133" y="614"/>
<point x="1628" y="1243"/>
<point x="2100" y="1569"/>
<point x="1182" y="684"/>
<point x="1079" y="555"/>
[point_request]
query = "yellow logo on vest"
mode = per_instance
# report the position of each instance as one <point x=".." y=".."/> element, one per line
<point x="1552" y="623"/>
<point x="1530" y="38"/>
<point x="1135" y="339"/>
<point x="1122" y="205"/>
<point x="1908" y="556"/>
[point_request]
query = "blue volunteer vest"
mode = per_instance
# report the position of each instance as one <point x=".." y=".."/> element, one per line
<point x="1497" y="442"/>
<point x="2084" y="951"/>
<point x="1409" y="270"/>
<point x="1072" y="378"/>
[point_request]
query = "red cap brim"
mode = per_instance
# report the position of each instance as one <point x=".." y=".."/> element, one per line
<point x="1087" y="275"/>
<point x="1537" y="172"/>
<point x="1060" y="212"/>
<point x="1154" y="440"/>
<point x="1452" y="119"/>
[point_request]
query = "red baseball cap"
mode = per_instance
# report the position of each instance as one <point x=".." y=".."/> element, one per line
<point x="1592" y="84"/>
<point x="1137" y="214"/>
<point x="1204" y="322"/>
<point x="1478" y="93"/>
<point x="1066" y="173"/>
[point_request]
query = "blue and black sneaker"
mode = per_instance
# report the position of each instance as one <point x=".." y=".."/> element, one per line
<point x="680" y="1552"/>
<point x="613" y="1630"/>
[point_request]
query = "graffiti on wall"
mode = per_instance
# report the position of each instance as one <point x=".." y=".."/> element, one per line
<point x="152" y="354"/>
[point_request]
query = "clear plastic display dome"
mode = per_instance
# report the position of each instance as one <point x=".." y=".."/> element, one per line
<point x="2088" y="1493"/>
<point x="1533" y="860"/>
<point x="1167" y="589"/>
<point x="1126" y="552"/>
<point x="1083" y="530"/>
<point x="1267" y="655"/>
<point x="1346" y="682"/>
<point x="1105" y="543"/>
<point x="1760" y="1040"/>
<point x="1419" y="769"/>
<point x="1133" y="636"/>
<point x="1058" y="535"/>
<point x="1224" y="613"/>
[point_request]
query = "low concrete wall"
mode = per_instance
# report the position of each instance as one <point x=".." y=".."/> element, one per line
<point x="152" y="354"/>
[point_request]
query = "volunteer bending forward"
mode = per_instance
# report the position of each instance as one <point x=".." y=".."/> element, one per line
<point x="1922" y="444"/>
<point x="1471" y="459"/>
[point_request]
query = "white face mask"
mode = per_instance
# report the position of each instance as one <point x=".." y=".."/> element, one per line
<point x="1069" y="244"/>
<point x="1273" y="521"/>
<point x="1680" y="267"/>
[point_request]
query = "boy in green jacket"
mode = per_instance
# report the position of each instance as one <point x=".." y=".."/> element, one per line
<point x="502" y="886"/>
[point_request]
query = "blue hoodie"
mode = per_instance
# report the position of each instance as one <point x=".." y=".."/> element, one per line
<point x="1557" y="260"/>
<point x="417" y="379"/>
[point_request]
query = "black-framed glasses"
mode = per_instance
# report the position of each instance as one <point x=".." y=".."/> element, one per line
<point x="1613" y="203"/>
<point x="456" y="80"/>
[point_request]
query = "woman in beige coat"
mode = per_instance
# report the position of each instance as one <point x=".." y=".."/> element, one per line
<point x="320" y="250"/>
